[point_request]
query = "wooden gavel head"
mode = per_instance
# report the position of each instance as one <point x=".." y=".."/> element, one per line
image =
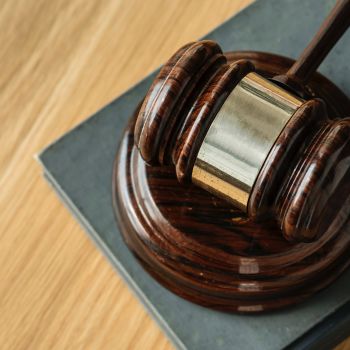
<point x="270" y="151"/>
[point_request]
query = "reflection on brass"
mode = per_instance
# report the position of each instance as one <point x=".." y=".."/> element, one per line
<point x="241" y="136"/>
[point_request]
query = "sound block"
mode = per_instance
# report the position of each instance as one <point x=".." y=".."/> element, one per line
<point x="209" y="252"/>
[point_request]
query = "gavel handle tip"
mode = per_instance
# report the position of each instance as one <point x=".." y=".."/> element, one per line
<point x="331" y="30"/>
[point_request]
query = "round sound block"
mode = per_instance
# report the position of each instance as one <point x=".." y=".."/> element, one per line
<point x="208" y="252"/>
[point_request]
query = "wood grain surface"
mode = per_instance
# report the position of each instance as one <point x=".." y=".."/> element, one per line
<point x="60" y="61"/>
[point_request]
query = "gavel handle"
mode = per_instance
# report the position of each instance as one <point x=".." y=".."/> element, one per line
<point x="327" y="36"/>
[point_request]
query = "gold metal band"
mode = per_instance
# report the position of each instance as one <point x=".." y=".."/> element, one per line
<point x="241" y="137"/>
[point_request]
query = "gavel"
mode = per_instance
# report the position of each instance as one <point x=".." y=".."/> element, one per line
<point x="265" y="144"/>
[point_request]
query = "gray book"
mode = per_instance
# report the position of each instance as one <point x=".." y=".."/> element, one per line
<point x="79" y="167"/>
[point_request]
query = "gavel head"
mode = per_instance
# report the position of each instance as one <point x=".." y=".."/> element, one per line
<point x="247" y="140"/>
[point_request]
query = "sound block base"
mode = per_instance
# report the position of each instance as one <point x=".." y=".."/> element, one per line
<point x="210" y="253"/>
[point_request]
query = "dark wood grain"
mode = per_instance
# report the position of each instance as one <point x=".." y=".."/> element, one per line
<point x="316" y="188"/>
<point x="210" y="253"/>
<point x="163" y="107"/>
<point x="305" y="144"/>
<point x="200" y="116"/>
<point x="182" y="102"/>
<point x="284" y="154"/>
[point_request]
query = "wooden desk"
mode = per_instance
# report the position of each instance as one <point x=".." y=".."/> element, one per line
<point x="60" y="61"/>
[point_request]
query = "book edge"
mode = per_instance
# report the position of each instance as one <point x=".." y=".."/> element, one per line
<point x="114" y="262"/>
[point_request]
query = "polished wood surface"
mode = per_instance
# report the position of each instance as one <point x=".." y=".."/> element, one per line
<point x="201" y="247"/>
<point x="302" y="172"/>
<point x="182" y="102"/>
<point x="62" y="60"/>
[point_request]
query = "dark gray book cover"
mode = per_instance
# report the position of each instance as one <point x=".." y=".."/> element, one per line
<point x="79" y="167"/>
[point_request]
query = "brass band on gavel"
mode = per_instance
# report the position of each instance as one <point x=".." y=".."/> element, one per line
<point x="241" y="137"/>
